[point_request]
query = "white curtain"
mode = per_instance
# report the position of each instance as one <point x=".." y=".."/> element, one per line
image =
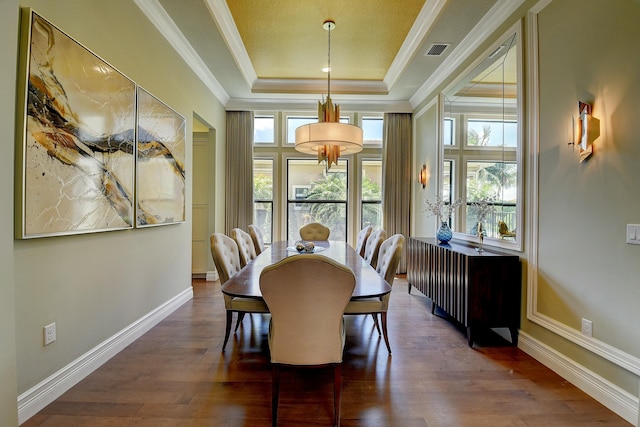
<point x="396" y="178"/>
<point x="239" y="167"/>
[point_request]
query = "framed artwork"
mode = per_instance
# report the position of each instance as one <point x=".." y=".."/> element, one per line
<point x="160" y="172"/>
<point x="75" y="160"/>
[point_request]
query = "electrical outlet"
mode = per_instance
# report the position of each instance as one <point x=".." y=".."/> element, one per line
<point x="587" y="327"/>
<point x="49" y="333"/>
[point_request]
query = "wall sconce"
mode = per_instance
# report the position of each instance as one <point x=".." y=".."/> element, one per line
<point x="585" y="130"/>
<point x="423" y="176"/>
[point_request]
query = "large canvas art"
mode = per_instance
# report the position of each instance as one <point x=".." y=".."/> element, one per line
<point x="76" y="156"/>
<point x="160" y="184"/>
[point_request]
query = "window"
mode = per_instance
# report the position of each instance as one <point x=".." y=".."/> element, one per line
<point x="371" y="194"/>
<point x="263" y="197"/>
<point x="291" y="189"/>
<point x="316" y="195"/>
<point x="488" y="171"/>
<point x="264" y="131"/>
<point x="372" y="130"/>
<point x="492" y="133"/>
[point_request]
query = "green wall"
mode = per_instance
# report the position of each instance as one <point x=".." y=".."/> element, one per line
<point x="91" y="285"/>
<point x="587" y="51"/>
<point x="8" y="393"/>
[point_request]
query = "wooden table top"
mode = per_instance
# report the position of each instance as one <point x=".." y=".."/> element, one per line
<point x="246" y="283"/>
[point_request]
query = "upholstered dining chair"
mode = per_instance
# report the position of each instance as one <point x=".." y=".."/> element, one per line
<point x="245" y="246"/>
<point x="388" y="260"/>
<point x="307" y="325"/>
<point x="314" y="231"/>
<point x="361" y="241"/>
<point x="373" y="246"/>
<point x="224" y="251"/>
<point x="258" y="240"/>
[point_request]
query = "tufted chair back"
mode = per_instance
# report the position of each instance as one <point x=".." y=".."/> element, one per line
<point x="314" y="231"/>
<point x="389" y="257"/>
<point x="258" y="240"/>
<point x="361" y="242"/>
<point x="245" y="246"/>
<point x="373" y="245"/>
<point x="224" y="251"/>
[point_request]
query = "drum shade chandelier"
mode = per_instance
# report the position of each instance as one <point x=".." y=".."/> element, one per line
<point x="328" y="139"/>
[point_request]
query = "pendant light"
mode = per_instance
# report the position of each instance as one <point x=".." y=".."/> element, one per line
<point x="328" y="139"/>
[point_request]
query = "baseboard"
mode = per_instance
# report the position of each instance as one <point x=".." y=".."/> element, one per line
<point x="48" y="390"/>
<point x="613" y="397"/>
<point x="212" y="276"/>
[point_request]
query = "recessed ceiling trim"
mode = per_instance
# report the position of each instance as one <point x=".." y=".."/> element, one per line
<point x="317" y="87"/>
<point x="300" y="103"/>
<point x="423" y="24"/>
<point x="224" y="20"/>
<point x="489" y="23"/>
<point x="165" y="25"/>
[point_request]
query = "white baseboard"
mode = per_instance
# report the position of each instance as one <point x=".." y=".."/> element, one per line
<point x="212" y="276"/>
<point x="613" y="397"/>
<point x="48" y="390"/>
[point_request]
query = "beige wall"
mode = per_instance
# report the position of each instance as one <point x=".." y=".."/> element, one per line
<point x="585" y="269"/>
<point x="8" y="394"/>
<point x="425" y="152"/>
<point x="91" y="285"/>
<point x="588" y="51"/>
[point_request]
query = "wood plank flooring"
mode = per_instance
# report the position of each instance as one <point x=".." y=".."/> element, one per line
<point x="176" y="375"/>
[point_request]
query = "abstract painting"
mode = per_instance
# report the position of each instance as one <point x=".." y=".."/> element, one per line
<point x="76" y="159"/>
<point x="160" y="173"/>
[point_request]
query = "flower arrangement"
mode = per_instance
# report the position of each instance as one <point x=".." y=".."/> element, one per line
<point x="483" y="207"/>
<point x="440" y="208"/>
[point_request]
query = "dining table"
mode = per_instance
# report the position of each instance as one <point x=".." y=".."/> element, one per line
<point x="369" y="284"/>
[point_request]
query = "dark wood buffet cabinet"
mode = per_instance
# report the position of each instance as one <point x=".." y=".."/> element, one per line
<point x="476" y="289"/>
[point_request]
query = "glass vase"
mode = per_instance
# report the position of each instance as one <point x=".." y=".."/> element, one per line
<point x="444" y="233"/>
<point x="480" y="232"/>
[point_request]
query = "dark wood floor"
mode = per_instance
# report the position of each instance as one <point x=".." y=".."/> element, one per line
<point x="175" y="375"/>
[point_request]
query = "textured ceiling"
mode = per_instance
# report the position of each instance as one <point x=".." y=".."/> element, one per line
<point x="258" y="52"/>
<point x="285" y="39"/>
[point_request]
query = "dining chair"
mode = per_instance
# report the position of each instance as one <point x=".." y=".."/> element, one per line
<point x="373" y="246"/>
<point x="307" y="324"/>
<point x="314" y="231"/>
<point x="245" y="246"/>
<point x="388" y="260"/>
<point x="361" y="241"/>
<point x="226" y="258"/>
<point x="258" y="240"/>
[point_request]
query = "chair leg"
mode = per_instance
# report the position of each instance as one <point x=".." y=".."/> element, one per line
<point x="239" y="320"/>
<point x="375" y="322"/>
<point x="228" y="331"/>
<point x="383" y="315"/>
<point x="275" y="391"/>
<point x="337" y="387"/>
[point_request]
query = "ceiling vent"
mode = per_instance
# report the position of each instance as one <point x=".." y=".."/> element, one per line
<point x="437" y="49"/>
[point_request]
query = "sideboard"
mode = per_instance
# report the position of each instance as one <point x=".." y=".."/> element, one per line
<point x="476" y="289"/>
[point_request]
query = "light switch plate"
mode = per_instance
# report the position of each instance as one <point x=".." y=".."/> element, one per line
<point x="633" y="234"/>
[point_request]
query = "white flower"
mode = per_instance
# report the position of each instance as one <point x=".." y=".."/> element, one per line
<point x="484" y="207"/>
<point x="440" y="208"/>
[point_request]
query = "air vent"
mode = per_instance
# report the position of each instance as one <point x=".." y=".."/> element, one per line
<point x="437" y="49"/>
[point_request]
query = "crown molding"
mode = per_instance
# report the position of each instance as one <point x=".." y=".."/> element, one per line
<point x="489" y="23"/>
<point x="296" y="102"/>
<point x="317" y="86"/>
<point x="224" y="20"/>
<point x="165" y="25"/>
<point x="423" y="24"/>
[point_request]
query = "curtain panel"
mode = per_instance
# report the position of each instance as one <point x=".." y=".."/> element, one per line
<point x="396" y="173"/>
<point x="239" y="179"/>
